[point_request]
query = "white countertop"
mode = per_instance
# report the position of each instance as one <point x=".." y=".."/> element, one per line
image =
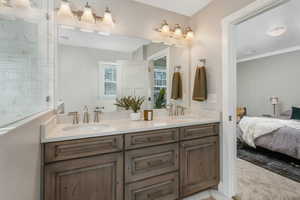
<point x="52" y="132"/>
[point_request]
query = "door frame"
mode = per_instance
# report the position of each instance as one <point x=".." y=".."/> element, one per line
<point x="228" y="185"/>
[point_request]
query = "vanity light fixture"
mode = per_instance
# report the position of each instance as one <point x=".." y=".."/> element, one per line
<point x="84" y="17"/>
<point x="176" y="33"/>
<point x="277" y="31"/>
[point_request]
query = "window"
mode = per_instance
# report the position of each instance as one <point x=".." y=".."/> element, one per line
<point x="110" y="81"/>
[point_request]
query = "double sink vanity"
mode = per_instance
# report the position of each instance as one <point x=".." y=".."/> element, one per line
<point x="171" y="157"/>
<point x="166" y="159"/>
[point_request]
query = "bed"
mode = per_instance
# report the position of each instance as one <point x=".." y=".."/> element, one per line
<point x="285" y="140"/>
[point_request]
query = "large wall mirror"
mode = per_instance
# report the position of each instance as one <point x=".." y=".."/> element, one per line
<point x="95" y="69"/>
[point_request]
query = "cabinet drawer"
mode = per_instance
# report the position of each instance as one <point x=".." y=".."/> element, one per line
<point x="150" y="138"/>
<point x="149" y="162"/>
<point x="199" y="131"/>
<point x="82" y="148"/>
<point x="159" y="188"/>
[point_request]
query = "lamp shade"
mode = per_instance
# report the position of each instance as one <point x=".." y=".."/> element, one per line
<point x="178" y="31"/>
<point x="65" y="12"/>
<point x="189" y="33"/>
<point x="274" y="100"/>
<point x="87" y="16"/>
<point x="107" y="18"/>
<point x="165" y="28"/>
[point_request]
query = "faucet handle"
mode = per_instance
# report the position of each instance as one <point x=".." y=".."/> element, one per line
<point x="97" y="112"/>
<point x="98" y="109"/>
<point x="75" y="115"/>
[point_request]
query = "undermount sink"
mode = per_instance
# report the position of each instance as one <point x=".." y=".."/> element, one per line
<point x="86" y="127"/>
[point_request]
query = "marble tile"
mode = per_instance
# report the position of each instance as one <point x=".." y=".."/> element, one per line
<point x="256" y="183"/>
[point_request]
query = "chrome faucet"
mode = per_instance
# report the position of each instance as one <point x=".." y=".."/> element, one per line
<point x="86" y="115"/>
<point x="97" y="113"/>
<point x="179" y="111"/>
<point x="170" y="108"/>
<point x="75" y="117"/>
<point x="175" y="110"/>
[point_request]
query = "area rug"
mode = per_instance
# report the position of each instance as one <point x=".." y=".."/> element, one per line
<point x="272" y="161"/>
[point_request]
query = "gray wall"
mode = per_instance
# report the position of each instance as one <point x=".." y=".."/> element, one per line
<point x="260" y="79"/>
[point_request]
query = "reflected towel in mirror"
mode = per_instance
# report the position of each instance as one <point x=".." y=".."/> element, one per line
<point x="176" y="86"/>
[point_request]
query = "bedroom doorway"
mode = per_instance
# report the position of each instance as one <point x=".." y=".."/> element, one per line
<point x="229" y="151"/>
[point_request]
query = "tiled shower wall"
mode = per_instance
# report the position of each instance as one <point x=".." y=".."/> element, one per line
<point x="25" y="68"/>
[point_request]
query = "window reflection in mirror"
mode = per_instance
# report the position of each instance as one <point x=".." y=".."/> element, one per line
<point x="160" y="83"/>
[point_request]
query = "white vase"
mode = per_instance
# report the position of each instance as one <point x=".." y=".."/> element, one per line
<point x="135" y="116"/>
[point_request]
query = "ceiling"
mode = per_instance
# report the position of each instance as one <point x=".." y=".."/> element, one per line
<point x="252" y="38"/>
<point x="97" y="41"/>
<point x="183" y="7"/>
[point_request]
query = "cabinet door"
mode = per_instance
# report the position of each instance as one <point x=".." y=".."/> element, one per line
<point x="93" y="178"/>
<point x="199" y="165"/>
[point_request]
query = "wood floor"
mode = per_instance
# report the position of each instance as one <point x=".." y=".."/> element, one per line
<point x="256" y="183"/>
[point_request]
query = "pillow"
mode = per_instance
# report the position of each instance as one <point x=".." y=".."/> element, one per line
<point x="295" y="113"/>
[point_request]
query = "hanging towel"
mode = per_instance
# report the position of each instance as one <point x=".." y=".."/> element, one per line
<point x="176" y="86"/>
<point x="200" y="85"/>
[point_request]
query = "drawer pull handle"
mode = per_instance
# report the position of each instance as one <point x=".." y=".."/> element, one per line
<point x="155" y="163"/>
<point x="141" y="140"/>
<point x="155" y="139"/>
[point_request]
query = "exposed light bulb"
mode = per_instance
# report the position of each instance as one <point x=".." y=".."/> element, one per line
<point x="165" y="28"/>
<point x="277" y="31"/>
<point x="189" y="33"/>
<point x="65" y="12"/>
<point x="177" y="31"/>
<point x="107" y="18"/>
<point x="21" y="3"/>
<point x="88" y="16"/>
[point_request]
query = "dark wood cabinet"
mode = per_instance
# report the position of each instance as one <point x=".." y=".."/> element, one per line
<point x="167" y="164"/>
<point x="93" y="178"/>
<point x="199" y="165"/>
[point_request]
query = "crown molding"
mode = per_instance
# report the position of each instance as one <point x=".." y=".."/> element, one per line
<point x="273" y="53"/>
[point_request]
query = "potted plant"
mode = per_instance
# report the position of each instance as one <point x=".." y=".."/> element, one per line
<point x="135" y="105"/>
<point x="123" y="102"/>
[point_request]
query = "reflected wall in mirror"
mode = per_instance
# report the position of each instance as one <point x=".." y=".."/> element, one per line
<point x="95" y="70"/>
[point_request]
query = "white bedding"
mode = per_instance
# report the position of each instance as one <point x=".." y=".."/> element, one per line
<point x="254" y="127"/>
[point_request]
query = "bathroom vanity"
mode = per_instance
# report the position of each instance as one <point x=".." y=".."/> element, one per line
<point x="163" y="159"/>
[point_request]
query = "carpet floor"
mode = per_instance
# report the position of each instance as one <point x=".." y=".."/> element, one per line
<point x="256" y="183"/>
<point x="275" y="162"/>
